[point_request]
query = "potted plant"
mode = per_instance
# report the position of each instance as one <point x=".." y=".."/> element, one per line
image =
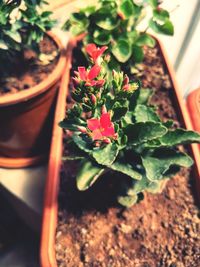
<point x="103" y="146"/>
<point x="116" y="25"/>
<point x="32" y="62"/>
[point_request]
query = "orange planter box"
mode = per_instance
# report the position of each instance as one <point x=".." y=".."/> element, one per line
<point x="47" y="252"/>
<point x="193" y="104"/>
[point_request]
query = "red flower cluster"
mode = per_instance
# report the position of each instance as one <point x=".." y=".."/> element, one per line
<point x="102" y="128"/>
<point x="95" y="52"/>
<point x="88" y="76"/>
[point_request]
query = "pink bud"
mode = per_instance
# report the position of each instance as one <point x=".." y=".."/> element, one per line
<point x="115" y="136"/>
<point x="114" y="73"/>
<point x="85" y="99"/>
<point x="126" y="80"/>
<point x="75" y="81"/>
<point x="93" y="99"/>
<point x="107" y="141"/>
<point x="103" y="109"/>
<point x="97" y="144"/>
<point x="82" y="129"/>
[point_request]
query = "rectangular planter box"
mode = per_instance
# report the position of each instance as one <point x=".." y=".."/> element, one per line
<point x="47" y="251"/>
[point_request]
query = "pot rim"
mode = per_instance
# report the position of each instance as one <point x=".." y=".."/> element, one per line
<point x="51" y="79"/>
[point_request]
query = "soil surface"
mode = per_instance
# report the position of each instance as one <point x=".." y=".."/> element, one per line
<point x="162" y="230"/>
<point x="29" y="70"/>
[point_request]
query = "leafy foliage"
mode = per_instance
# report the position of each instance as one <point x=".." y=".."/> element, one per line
<point x="114" y="23"/>
<point x="22" y="25"/>
<point x="114" y="128"/>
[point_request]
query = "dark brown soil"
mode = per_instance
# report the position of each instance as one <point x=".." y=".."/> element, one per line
<point x="162" y="230"/>
<point x="29" y="71"/>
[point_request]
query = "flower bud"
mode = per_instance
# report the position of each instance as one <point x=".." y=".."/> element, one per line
<point x="103" y="109"/>
<point x="126" y="80"/>
<point x="75" y="81"/>
<point x="97" y="144"/>
<point x="107" y="141"/>
<point x="114" y="73"/>
<point x="93" y="99"/>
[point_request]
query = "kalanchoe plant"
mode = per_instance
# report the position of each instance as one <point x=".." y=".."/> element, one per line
<point x="114" y="23"/>
<point x="22" y="25"/>
<point x="112" y="127"/>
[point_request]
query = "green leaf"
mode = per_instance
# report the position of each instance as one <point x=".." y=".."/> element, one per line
<point x="139" y="186"/>
<point x="126" y="8"/>
<point x="165" y="28"/>
<point x="119" y="109"/>
<point x="88" y="173"/>
<point x="127" y="169"/>
<point x="127" y="119"/>
<point x="106" y="155"/>
<point x="146" y="39"/>
<point x="157" y="165"/>
<point x="144" y="95"/>
<point x="179" y="136"/>
<point x="157" y="186"/>
<point x="102" y="37"/>
<point x="143" y="131"/>
<point x="3" y="45"/>
<point x="161" y="14"/>
<point x="14" y="35"/>
<point x="82" y="144"/>
<point x="127" y="201"/>
<point x="105" y="19"/>
<point x="122" y="50"/>
<point x="144" y="113"/>
<point x="153" y="3"/>
<point x="137" y="54"/>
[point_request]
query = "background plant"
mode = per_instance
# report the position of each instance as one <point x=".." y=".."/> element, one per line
<point x="113" y="128"/>
<point x="22" y="26"/>
<point x="114" y="23"/>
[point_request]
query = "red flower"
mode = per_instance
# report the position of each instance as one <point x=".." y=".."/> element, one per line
<point x="95" y="52"/>
<point x="101" y="128"/>
<point x="88" y="76"/>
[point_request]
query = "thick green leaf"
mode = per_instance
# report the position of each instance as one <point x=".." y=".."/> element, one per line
<point x="127" y="201"/>
<point x="165" y="28"/>
<point x="145" y="39"/>
<point x="143" y="131"/>
<point x="105" y="19"/>
<point x="156" y="187"/>
<point x="157" y="166"/>
<point x="102" y="37"/>
<point x="139" y="186"/>
<point x="126" y="8"/>
<point x="127" y="169"/>
<point x="161" y="14"/>
<point x="88" y="173"/>
<point x="122" y="50"/>
<point x="3" y="45"/>
<point x="106" y="155"/>
<point x="179" y="136"/>
<point x="144" y="95"/>
<point x="14" y="35"/>
<point x="144" y="113"/>
<point x="127" y="119"/>
<point x="119" y="109"/>
<point x="137" y="54"/>
<point x="153" y="3"/>
<point x="82" y="144"/>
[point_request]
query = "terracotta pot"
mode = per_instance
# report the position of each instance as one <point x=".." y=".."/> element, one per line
<point x="26" y="119"/>
<point x="193" y="104"/>
<point x="48" y="232"/>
